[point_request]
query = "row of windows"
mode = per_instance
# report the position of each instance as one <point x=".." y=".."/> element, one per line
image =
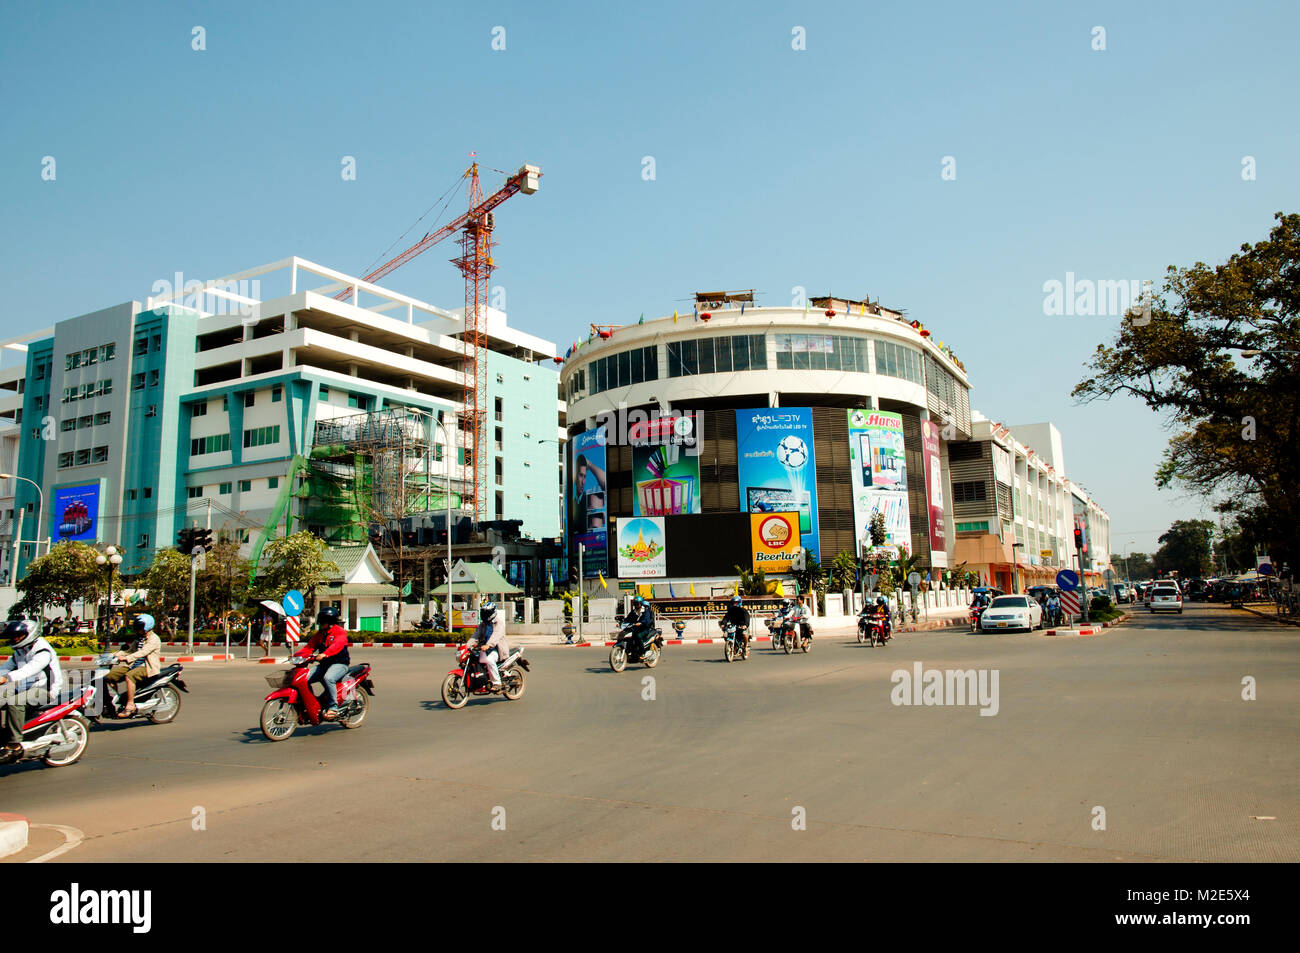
<point x="739" y="352"/>
<point x="81" y="423"/>
<point x="262" y="436"/>
<point x="980" y="526"/>
<point x="87" y="391"/>
<point x="973" y="491"/>
<point x="137" y="382"/>
<point x="91" y="355"/>
<point x="146" y="493"/>
<point x="146" y="343"/>
<point x="80" y="458"/>
<point x="223" y="489"/>
<point x="250" y="400"/>
<point x="217" y="443"/>
<point x="822" y="352"/>
<point x="623" y="370"/>
<point x="359" y="401"/>
<point x="896" y="360"/>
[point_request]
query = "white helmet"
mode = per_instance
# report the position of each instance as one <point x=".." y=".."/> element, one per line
<point x="20" y="632"/>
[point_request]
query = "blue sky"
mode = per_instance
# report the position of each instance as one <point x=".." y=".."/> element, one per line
<point x="774" y="167"/>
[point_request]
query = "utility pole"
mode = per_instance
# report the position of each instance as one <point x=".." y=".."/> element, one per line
<point x="577" y="609"/>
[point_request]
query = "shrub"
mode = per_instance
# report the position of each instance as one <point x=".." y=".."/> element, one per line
<point x="1100" y="604"/>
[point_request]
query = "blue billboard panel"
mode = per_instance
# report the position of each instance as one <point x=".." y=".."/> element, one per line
<point x="76" y="513"/>
<point x="777" y="467"/>
<point x="588" y="501"/>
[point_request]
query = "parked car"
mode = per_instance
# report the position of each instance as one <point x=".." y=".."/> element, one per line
<point x="1123" y="593"/>
<point x="1165" y="599"/>
<point x="1012" y="612"/>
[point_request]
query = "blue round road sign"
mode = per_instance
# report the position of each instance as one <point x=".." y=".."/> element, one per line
<point x="292" y="602"/>
<point x="1265" y="569"/>
<point x="1068" y="580"/>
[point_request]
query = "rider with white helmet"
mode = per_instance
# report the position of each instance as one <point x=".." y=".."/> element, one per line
<point x="31" y="676"/>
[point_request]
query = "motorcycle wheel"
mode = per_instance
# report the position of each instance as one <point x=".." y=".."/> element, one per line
<point x="513" y="685"/>
<point x="862" y="636"/>
<point x="76" y="735"/>
<point x="618" y="657"/>
<point x="279" y="720"/>
<point x="454" y="692"/>
<point x="805" y="645"/>
<point x="727" y="651"/>
<point x="358" y="715"/>
<point x="651" y="657"/>
<point x="787" y="643"/>
<point x="169" y="705"/>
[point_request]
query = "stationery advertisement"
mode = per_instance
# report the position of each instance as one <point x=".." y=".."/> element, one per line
<point x="879" y="472"/>
<point x="776" y="466"/>
<point x="588" y="501"/>
<point x="934" y="489"/>
<point x="641" y="550"/>
<point x="665" y="466"/>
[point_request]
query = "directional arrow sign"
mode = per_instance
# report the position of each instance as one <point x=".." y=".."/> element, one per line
<point x="1068" y="580"/>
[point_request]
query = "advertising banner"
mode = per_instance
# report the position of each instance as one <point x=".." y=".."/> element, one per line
<point x="777" y="468"/>
<point x="879" y="470"/>
<point x="774" y="539"/>
<point x="934" y="487"/>
<point x="641" y="550"/>
<point x="588" y="501"/>
<point x="76" y="513"/>
<point x="665" y="466"/>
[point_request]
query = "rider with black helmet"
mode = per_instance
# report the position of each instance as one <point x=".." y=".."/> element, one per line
<point x="31" y="676"/>
<point x="134" y="667"/>
<point x="738" y="616"/>
<point x="329" y="647"/>
<point x="642" y="617"/>
<point x="490" y="636"/>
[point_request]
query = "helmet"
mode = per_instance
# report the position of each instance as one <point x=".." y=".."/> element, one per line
<point x="144" y="623"/>
<point x="487" y="610"/>
<point x="736" y="600"/>
<point x="328" y="616"/>
<point x="20" y="632"/>
<point x="638" y="600"/>
<point x="880" y="600"/>
<point x="787" y="602"/>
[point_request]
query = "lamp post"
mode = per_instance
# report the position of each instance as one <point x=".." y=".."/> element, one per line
<point x="40" y="518"/>
<point x="111" y="559"/>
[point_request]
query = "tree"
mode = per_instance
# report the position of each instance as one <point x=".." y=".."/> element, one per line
<point x="844" y="571"/>
<point x="1137" y="566"/>
<point x="298" y="561"/>
<point x="168" y="583"/>
<point x="876" y="529"/>
<point x="1236" y="421"/>
<point x="66" y="573"/>
<point x="1185" y="548"/>
<point x="224" y="581"/>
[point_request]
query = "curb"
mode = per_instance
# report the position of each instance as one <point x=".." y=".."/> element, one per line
<point x="161" y="658"/>
<point x="13" y="834"/>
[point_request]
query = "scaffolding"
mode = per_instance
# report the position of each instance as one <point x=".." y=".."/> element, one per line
<point x="366" y="473"/>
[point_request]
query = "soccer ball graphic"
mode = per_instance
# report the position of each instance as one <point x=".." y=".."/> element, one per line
<point x="792" y="452"/>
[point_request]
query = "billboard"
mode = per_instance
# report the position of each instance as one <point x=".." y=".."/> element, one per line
<point x="777" y="467"/>
<point x="642" y="552"/>
<point x="878" y="468"/>
<point x="773" y="539"/>
<point x="76" y="513"/>
<point x="934" y="487"/>
<point x="665" y="465"/>
<point x="588" y="501"/>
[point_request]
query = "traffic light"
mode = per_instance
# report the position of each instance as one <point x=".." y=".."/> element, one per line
<point x="185" y="540"/>
<point x="1078" y="540"/>
<point x="203" y="537"/>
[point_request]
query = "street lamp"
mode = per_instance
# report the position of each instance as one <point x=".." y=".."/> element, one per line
<point x="40" y="517"/>
<point x="110" y="558"/>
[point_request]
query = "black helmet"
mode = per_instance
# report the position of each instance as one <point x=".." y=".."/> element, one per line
<point x="20" y="631"/>
<point x="880" y="600"/>
<point x="486" y="611"/>
<point x="328" y="616"/>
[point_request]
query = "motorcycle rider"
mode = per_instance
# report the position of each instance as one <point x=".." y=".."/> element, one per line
<point x="134" y="667"/>
<point x="329" y="647"/>
<point x="490" y="637"/>
<point x="738" y="616"/>
<point x="31" y="676"/>
<point x="642" y="618"/>
<point x="1054" y="609"/>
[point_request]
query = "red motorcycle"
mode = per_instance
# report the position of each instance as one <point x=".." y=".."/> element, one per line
<point x="974" y="616"/>
<point x="293" y="702"/>
<point x="873" y="629"/>
<point x="470" y="676"/>
<point x="57" y="733"/>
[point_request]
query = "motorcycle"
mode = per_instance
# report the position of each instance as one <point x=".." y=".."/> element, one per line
<point x="436" y="623"/>
<point x="157" y="698"/>
<point x="293" y="702"/>
<point x="873" y="629"/>
<point x="470" y="676"/>
<point x="735" y="643"/>
<point x="57" y="733"/>
<point x="974" y="615"/>
<point x="1055" y="615"/>
<point x="788" y="637"/>
<point x="628" y="647"/>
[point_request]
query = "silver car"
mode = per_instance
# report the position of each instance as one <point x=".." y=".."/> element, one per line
<point x="1006" y="613"/>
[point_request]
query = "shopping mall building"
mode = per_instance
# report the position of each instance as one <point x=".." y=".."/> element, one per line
<point x="734" y="435"/>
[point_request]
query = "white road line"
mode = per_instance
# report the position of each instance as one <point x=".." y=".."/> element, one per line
<point x="72" y="838"/>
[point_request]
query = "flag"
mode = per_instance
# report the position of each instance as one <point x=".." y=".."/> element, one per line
<point x="603" y="584"/>
<point x="780" y="589"/>
<point x="671" y="594"/>
<point x="550" y="583"/>
<point x="864" y="307"/>
<point x="674" y="315"/>
<point x="737" y="589"/>
<point x="742" y="307"/>
<point x="695" y="311"/>
<point x="692" y="588"/>
<point x="406" y="589"/>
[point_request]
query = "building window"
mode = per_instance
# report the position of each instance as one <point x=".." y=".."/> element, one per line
<point x="225" y="405"/>
<point x="103" y="417"/>
<point x="245" y="486"/>
<point x="137" y="382"/>
<point x="141" y="347"/>
<point x="65" y="460"/>
<point x="153" y="378"/>
<point x="194" y="492"/>
<point x="148" y="492"/>
<point x="324" y="393"/>
<point x="359" y="401"/>
<point x="152" y="411"/>
<point x="272" y="483"/>
<point x="68" y="424"/>
<point x="100" y="454"/>
<point x="437" y="454"/>
<point x="981" y="526"/>
<point x="130" y="494"/>
<point x="108" y="351"/>
<point x="156" y="343"/>
<point x="144" y="541"/>
<point x="250" y="399"/>
<point x="86" y="421"/>
<point x="217" y="443"/>
<point x="744" y="352"/>
<point x="83" y="457"/>
<point x="895" y="360"/>
<point x="276" y="394"/>
<point x="223" y="489"/>
<point x="971" y="492"/>
<point x="200" y="409"/>
<point x="262" y="436"/>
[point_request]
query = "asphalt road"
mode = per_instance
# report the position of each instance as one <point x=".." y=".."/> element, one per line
<point x="1146" y="721"/>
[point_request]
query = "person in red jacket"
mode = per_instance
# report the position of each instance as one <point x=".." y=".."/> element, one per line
<point x="329" y="647"/>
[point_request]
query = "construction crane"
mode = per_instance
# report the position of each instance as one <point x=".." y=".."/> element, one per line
<point x="475" y="263"/>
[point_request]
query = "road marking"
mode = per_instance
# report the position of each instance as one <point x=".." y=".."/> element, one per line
<point x="72" y="838"/>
